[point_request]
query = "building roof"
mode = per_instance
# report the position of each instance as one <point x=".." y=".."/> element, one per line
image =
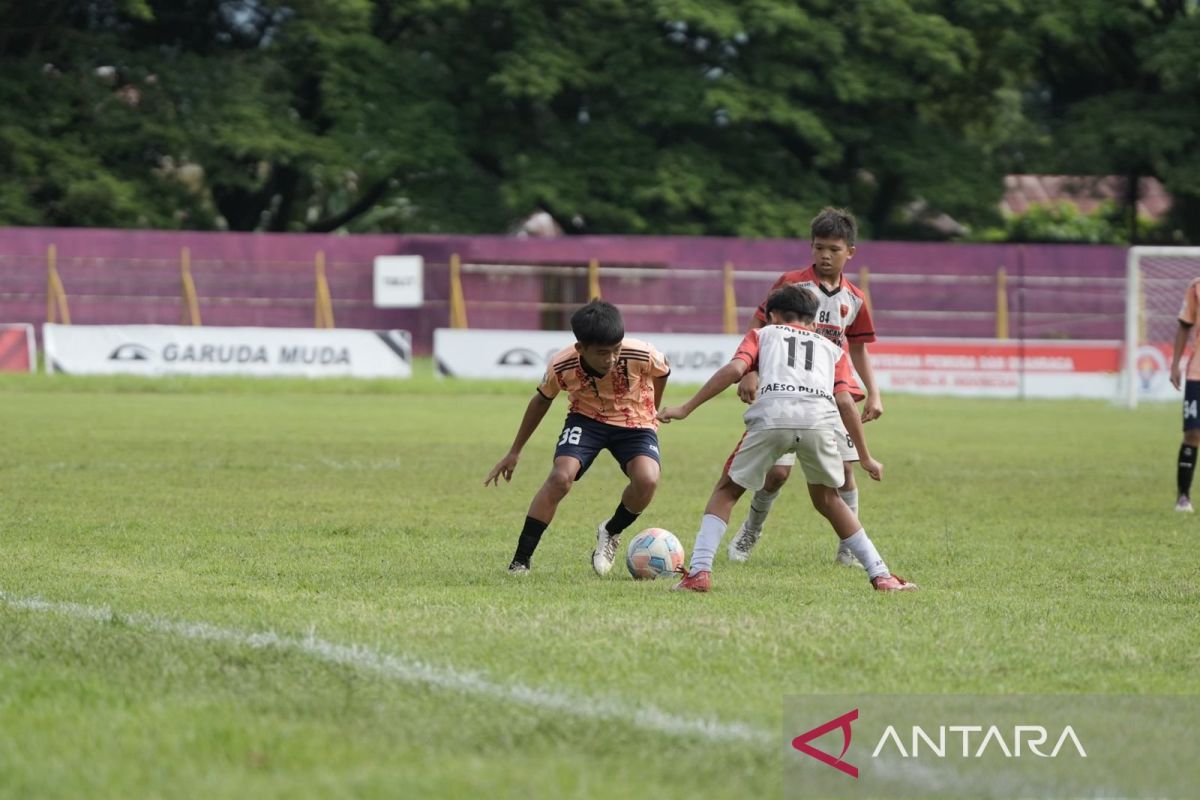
<point x="1087" y="192"/>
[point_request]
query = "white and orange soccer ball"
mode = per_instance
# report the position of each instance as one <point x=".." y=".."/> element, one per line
<point x="654" y="552"/>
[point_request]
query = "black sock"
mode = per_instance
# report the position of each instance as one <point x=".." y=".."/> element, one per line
<point x="1187" y="467"/>
<point x="622" y="518"/>
<point x="531" y="534"/>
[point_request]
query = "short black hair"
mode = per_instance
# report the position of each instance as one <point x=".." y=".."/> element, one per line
<point x="598" y="323"/>
<point x="835" y="223"/>
<point x="793" y="301"/>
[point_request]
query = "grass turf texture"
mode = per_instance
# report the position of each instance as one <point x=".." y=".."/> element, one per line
<point x="1042" y="534"/>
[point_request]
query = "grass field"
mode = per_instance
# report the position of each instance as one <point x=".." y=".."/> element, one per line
<point x="226" y="588"/>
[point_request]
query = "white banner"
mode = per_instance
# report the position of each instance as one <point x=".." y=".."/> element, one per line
<point x="522" y="355"/>
<point x="964" y="367"/>
<point x="186" y="350"/>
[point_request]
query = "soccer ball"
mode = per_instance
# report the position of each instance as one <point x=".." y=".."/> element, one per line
<point x="653" y="552"/>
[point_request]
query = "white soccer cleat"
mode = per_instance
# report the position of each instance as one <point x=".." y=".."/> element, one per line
<point x="606" y="549"/>
<point x="742" y="543"/>
<point x="846" y="558"/>
<point x="1184" y="504"/>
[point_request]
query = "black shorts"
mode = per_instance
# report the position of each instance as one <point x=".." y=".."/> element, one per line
<point x="1191" y="405"/>
<point x="583" y="438"/>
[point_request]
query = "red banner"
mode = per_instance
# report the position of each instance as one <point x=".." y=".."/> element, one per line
<point x="989" y="356"/>
<point x="991" y="368"/>
<point x="16" y="348"/>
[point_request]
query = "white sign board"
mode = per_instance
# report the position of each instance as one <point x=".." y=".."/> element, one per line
<point x="186" y="350"/>
<point x="399" y="281"/>
<point x="963" y="367"/>
<point x="522" y="355"/>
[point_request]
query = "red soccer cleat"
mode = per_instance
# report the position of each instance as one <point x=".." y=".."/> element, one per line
<point x="892" y="583"/>
<point x="700" y="582"/>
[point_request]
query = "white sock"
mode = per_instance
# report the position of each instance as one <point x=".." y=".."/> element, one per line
<point x="712" y="528"/>
<point x="864" y="550"/>
<point x="851" y="498"/>
<point x="760" y="506"/>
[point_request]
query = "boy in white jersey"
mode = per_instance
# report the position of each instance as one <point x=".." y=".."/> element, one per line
<point x="804" y="388"/>
<point x="844" y="318"/>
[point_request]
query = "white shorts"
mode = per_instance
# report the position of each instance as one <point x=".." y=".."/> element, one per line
<point x="816" y="450"/>
<point x="845" y="446"/>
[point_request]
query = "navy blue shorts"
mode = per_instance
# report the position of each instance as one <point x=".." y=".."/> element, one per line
<point x="583" y="438"/>
<point x="1191" y="404"/>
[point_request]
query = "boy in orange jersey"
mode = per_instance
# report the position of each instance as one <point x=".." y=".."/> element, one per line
<point x="844" y="319"/>
<point x="615" y="386"/>
<point x="1186" y="467"/>
<point x="804" y="400"/>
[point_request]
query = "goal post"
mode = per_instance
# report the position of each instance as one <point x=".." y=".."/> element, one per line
<point x="1156" y="279"/>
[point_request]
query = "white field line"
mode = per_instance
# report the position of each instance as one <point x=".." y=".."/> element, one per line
<point x="411" y="671"/>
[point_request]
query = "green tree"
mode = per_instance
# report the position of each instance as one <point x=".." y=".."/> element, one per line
<point x="1116" y="88"/>
<point x="617" y="116"/>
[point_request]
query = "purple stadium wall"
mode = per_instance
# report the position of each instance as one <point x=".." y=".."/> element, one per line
<point x="917" y="289"/>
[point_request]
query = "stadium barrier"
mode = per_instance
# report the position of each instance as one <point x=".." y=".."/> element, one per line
<point x="158" y="350"/>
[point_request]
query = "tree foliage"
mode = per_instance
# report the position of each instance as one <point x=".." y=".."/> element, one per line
<point x="617" y="116"/>
<point x="1116" y="87"/>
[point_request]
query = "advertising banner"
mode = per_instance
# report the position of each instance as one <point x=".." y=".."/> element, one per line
<point x="186" y="350"/>
<point x="522" y="355"/>
<point x="964" y="367"/>
<point x="997" y="368"/>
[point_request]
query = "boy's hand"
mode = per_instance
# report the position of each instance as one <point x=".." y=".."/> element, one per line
<point x="505" y="468"/>
<point x="672" y="412"/>
<point x="874" y="468"/>
<point x="872" y="408"/>
<point x="748" y="387"/>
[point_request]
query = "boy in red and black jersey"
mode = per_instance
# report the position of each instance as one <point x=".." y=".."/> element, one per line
<point x="842" y="317"/>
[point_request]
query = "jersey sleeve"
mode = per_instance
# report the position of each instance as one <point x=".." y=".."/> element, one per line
<point x="1187" y="313"/>
<point x="549" y="387"/>
<point x="862" y="329"/>
<point x="659" y="366"/>
<point x="748" y="349"/>
<point x="843" y="378"/>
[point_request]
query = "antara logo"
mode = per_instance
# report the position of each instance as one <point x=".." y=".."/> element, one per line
<point x="1031" y="736"/>
<point x="801" y="743"/>
<point x="975" y="740"/>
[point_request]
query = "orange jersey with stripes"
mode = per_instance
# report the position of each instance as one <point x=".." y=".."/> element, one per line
<point x="1187" y="314"/>
<point x="623" y="397"/>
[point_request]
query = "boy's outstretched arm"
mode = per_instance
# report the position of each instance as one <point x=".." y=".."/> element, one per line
<point x="539" y="404"/>
<point x="721" y="380"/>
<point x="748" y="386"/>
<point x="854" y="426"/>
<point x="873" y="404"/>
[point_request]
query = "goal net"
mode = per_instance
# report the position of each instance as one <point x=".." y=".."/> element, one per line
<point x="1157" y="280"/>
